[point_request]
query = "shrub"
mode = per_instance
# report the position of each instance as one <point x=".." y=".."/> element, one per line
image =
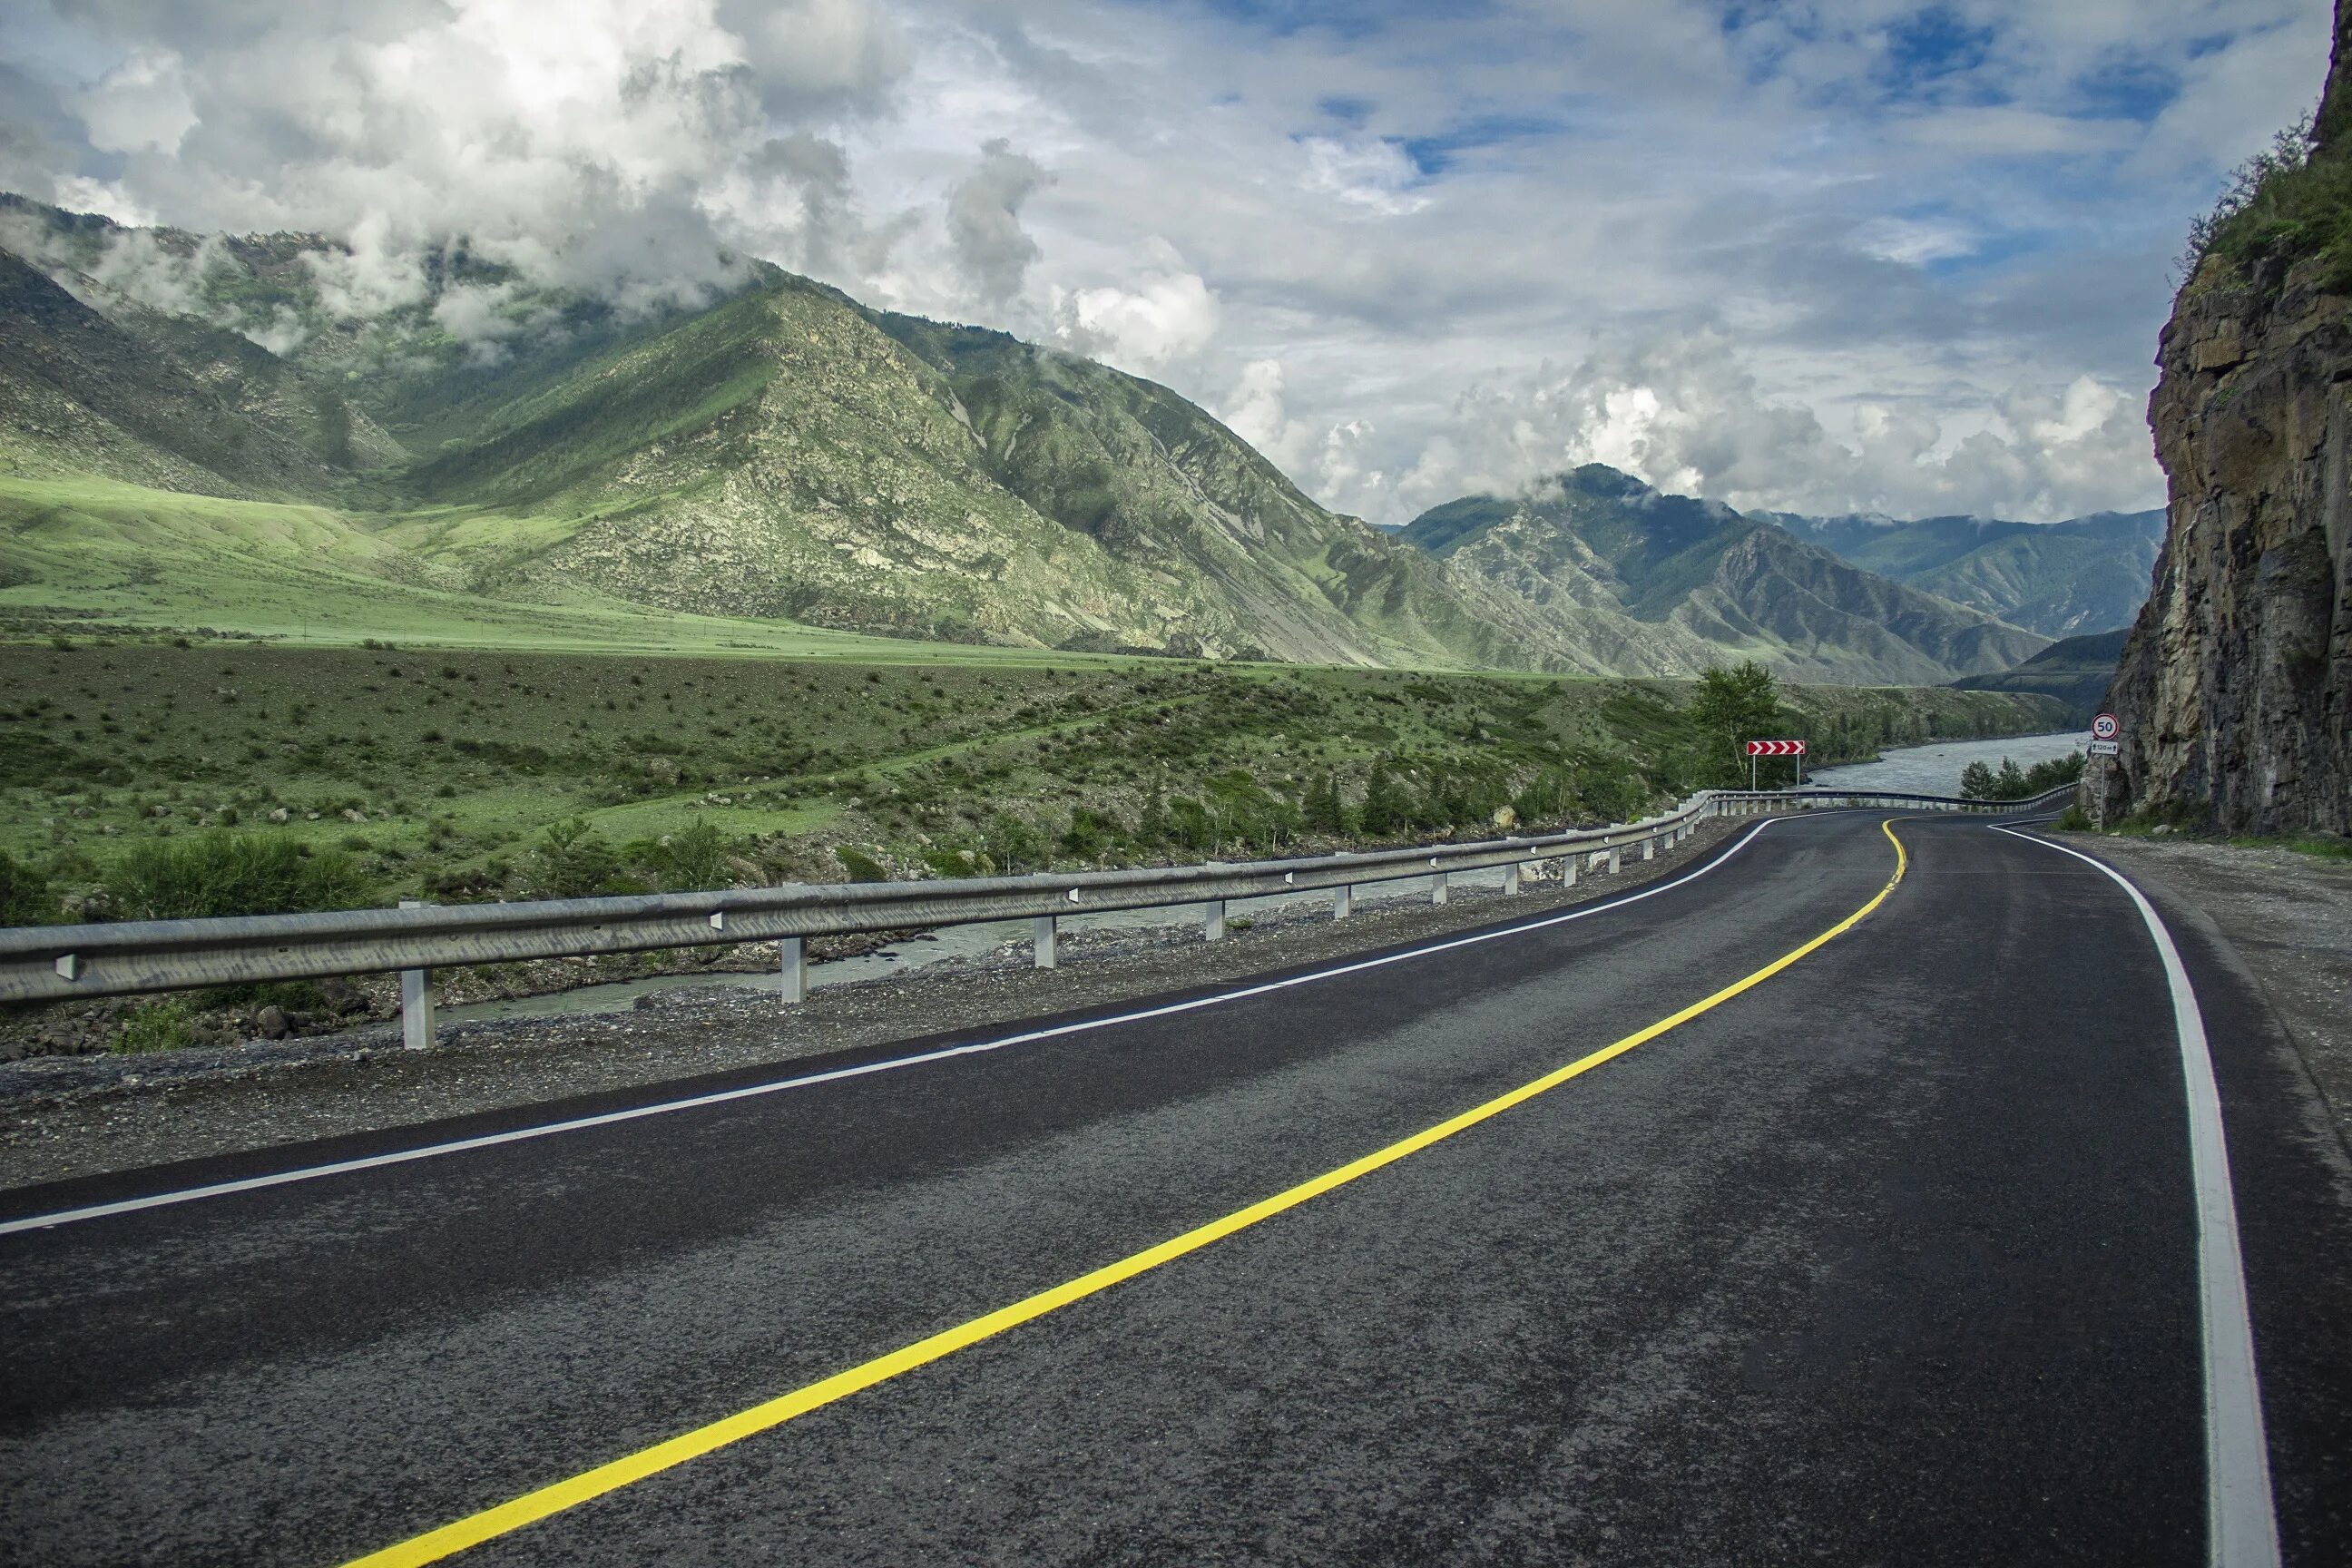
<point x="861" y="867"/>
<point x="571" y="860"/>
<point x="25" y="896"/>
<point x="695" y="859"/>
<point x="155" y="1026"/>
<point x="2291" y="200"/>
<point x="1013" y="845"/>
<point x="222" y="873"/>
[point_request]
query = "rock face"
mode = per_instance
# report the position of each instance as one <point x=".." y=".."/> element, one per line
<point x="2235" y="686"/>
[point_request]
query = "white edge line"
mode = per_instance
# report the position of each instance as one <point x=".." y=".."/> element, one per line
<point x="863" y="1069"/>
<point x="2242" y="1528"/>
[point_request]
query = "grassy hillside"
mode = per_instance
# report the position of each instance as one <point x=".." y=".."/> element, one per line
<point x="89" y="556"/>
<point x="440" y="773"/>
<point x="2077" y="671"/>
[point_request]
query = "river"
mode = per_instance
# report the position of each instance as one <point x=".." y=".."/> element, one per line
<point x="1936" y="770"/>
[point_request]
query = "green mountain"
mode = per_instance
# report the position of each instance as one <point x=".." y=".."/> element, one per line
<point x="780" y="452"/>
<point x="1666" y="585"/>
<point x="2060" y="579"/>
<point x="2077" y="672"/>
<point x="266" y="417"/>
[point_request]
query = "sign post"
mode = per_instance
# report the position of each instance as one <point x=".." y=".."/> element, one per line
<point x="1775" y="749"/>
<point x="2105" y="745"/>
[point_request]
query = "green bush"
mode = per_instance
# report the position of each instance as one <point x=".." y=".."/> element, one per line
<point x="2293" y="200"/>
<point x="571" y="860"/>
<point x="1978" y="781"/>
<point x="696" y="859"/>
<point x="25" y="896"/>
<point x="222" y="873"/>
<point x="861" y="867"/>
<point x="155" y="1026"/>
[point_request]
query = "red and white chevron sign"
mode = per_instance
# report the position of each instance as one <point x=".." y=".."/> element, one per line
<point x="1776" y="748"/>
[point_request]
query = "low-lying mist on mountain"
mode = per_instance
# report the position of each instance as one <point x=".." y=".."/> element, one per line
<point x="769" y="449"/>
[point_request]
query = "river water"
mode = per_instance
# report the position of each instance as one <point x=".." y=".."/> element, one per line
<point x="1924" y="770"/>
<point x="1936" y="770"/>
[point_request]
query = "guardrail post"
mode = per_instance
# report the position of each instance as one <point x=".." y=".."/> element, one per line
<point x="1212" y="923"/>
<point x="1437" y="887"/>
<point x="791" y="964"/>
<point x="1616" y="863"/>
<point x="1343" y="901"/>
<point x="1511" y="880"/>
<point x="416" y="999"/>
<point x="1041" y="938"/>
<point x="1649" y="848"/>
<point x="1567" y="869"/>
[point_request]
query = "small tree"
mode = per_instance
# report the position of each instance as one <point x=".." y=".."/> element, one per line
<point x="1732" y="707"/>
<point x="1387" y="802"/>
<point x="1319" y="810"/>
<point x="1013" y="845"/>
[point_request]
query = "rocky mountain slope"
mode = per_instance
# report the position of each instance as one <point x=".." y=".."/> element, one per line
<point x="2065" y="579"/>
<point x="2235" y="689"/>
<point x="1666" y="585"/>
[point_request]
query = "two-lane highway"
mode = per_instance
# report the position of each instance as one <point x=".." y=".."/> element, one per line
<point x="1887" y="1249"/>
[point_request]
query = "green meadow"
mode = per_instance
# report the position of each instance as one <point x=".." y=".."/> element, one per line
<point x="452" y="771"/>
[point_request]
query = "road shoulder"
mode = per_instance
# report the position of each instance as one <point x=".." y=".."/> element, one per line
<point x="2288" y="919"/>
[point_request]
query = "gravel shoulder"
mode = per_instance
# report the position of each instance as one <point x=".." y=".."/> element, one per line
<point x="80" y="1116"/>
<point x="2289" y="916"/>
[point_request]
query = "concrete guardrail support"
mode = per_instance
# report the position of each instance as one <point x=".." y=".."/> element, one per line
<point x="1343" y="901"/>
<point x="1616" y="861"/>
<point x="1568" y="870"/>
<point x="1511" y="880"/>
<point x="1437" y="891"/>
<point x="1044" y="934"/>
<point x="792" y="964"/>
<point x="1649" y="848"/>
<point x="1212" y="921"/>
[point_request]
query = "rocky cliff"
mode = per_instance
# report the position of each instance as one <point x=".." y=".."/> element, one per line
<point x="2235" y="686"/>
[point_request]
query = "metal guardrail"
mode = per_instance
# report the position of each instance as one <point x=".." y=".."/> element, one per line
<point x="47" y="963"/>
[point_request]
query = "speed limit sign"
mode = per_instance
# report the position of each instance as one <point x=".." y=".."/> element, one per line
<point x="2105" y="727"/>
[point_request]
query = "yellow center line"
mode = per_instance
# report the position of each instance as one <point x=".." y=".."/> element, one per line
<point x="531" y="1507"/>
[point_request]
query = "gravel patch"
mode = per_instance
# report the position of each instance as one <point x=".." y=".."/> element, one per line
<point x="2290" y="918"/>
<point x="76" y="1116"/>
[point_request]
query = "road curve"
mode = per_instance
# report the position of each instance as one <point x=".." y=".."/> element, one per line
<point x="1890" y="1256"/>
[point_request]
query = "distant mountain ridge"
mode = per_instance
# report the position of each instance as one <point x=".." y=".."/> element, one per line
<point x="778" y="450"/>
<point x="2082" y="575"/>
<point x="1675" y="584"/>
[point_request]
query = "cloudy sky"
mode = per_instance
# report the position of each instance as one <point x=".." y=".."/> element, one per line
<point x="1825" y="256"/>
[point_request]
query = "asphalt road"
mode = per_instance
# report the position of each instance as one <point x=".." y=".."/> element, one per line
<point x="1890" y="1257"/>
